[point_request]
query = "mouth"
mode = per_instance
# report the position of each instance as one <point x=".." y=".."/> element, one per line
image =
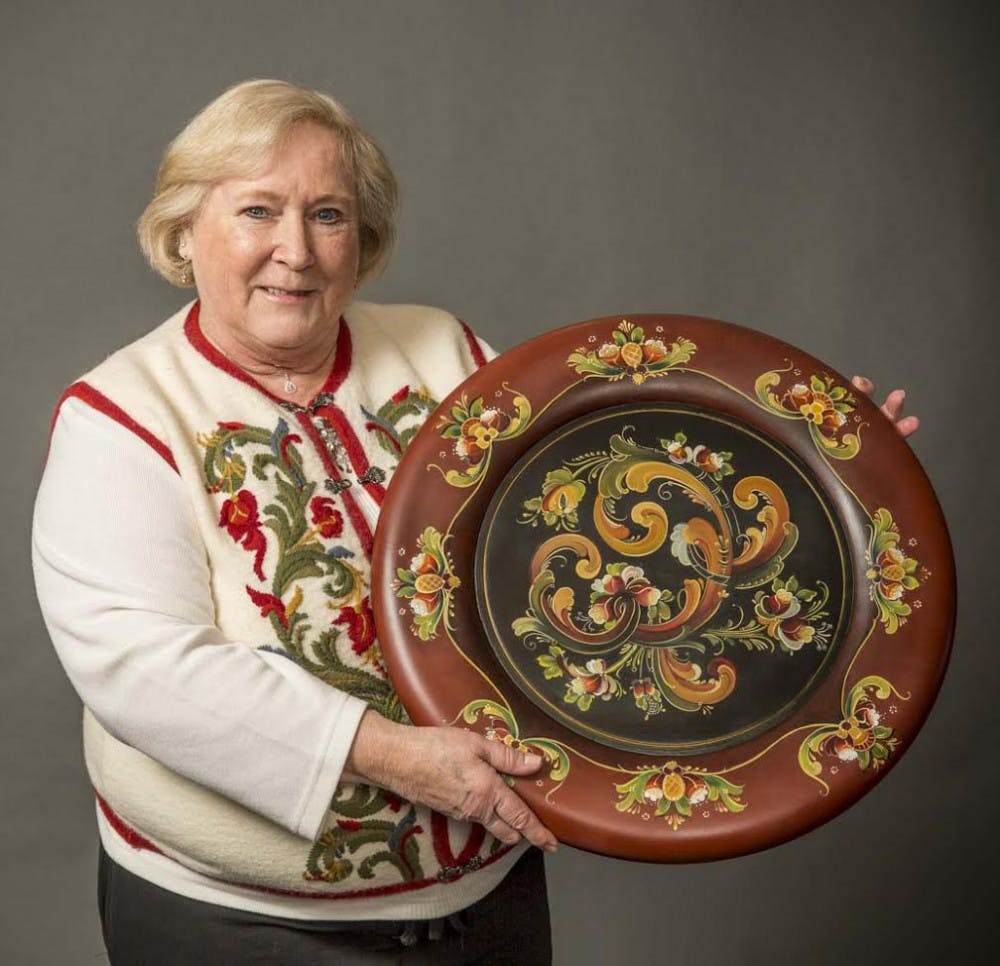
<point x="286" y="294"/>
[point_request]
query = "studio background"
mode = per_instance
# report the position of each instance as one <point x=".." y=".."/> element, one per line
<point x="824" y="172"/>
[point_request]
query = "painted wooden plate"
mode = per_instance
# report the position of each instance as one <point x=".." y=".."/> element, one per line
<point x="683" y="561"/>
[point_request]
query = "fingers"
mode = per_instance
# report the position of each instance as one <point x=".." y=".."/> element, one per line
<point x="508" y="807"/>
<point x="502" y="812"/>
<point x="453" y="771"/>
<point x="523" y="822"/>
<point x="893" y="405"/>
<point x="510" y="820"/>
<point x="864" y="384"/>
<point x="509" y="761"/>
<point x="497" y="827"/>
<point x="892" y="408"/>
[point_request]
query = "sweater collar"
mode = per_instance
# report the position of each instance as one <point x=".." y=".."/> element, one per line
<point x="337" y="374"/>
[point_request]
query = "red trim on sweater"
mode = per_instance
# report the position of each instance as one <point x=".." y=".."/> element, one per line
<point x="97" y="400"/>
<point x="358" y="520"/>
<point x="439" y="838"/>
<point x="382" y="890"/>
<point x="476" y="835"/>
<point x="442" y="842"/>
<point x="137" y="841"/>
<point x="335" y="378"/>
<point x="129" y="835"/>
<point x="337" y="374"/>
<point x="478" y="356"/>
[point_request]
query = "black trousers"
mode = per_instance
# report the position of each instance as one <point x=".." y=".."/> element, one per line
<point x="145" y="925"/>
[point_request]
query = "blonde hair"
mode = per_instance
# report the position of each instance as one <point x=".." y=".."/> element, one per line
<point x="235" y="136"/>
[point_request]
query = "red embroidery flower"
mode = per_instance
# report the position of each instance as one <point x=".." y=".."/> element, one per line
<point x="269" y="604"/>
<point x="326" y="517"/>
<point x="360" y="624"/>
<point x="239" y="517"/>
<point x="400" y="394"/>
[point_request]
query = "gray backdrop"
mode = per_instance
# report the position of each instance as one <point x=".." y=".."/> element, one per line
<point x="825" y="172"/>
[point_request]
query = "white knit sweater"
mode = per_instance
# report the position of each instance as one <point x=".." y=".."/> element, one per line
<point x="202" y="558"/>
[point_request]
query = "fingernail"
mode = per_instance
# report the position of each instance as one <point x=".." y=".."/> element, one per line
<point x="532" y="760"/>
<point x="551" y="846"/>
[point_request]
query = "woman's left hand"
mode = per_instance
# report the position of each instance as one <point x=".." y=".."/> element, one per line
<point x="892" y="408"/>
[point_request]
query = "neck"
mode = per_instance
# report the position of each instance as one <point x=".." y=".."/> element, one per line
<point x="293" y="373"/>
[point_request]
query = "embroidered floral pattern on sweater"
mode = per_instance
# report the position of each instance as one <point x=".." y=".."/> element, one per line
<point x="397" y="420"/>
<point x="304" y="528"/>
<point x="315" y="597"/>
<point x="330" y="858"/>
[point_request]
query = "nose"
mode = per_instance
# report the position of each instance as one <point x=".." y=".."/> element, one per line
<point x="292" y="244"/>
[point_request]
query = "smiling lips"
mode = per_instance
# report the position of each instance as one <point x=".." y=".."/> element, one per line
<point x="286" y="294"/>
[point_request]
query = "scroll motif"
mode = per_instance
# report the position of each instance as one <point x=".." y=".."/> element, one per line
<point x="502" y="727"/>
<point x="662" y="645"/>
<point x="823" y="405"/>
<point x="476" y="428"/>
<point x="858" y="737"/>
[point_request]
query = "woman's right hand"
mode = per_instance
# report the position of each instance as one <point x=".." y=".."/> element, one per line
<point x="455" y="772"/>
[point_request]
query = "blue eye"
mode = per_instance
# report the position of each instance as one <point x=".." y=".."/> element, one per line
<point x="328" y="216"/>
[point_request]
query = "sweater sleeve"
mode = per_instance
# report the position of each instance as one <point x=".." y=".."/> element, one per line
<point x="123" y="582"/>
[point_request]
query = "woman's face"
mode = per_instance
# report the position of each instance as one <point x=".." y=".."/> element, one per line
<point x="275" y="256"/>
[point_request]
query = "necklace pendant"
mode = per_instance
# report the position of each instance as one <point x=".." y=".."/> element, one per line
<point x="289" y="385"/>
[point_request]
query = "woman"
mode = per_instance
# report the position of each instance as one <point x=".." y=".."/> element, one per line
<point x="202" y="547"/>
<point x="206" y="513"/>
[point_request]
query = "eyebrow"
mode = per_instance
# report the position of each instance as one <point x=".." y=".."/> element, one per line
<point x="265" y="195"/>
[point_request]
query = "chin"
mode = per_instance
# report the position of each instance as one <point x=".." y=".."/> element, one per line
<point x="285" y="331"/>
